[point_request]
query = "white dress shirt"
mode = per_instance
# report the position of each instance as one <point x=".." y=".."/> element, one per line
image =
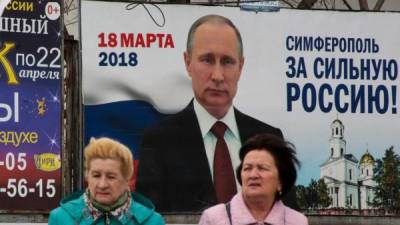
<point x="232" y="138"/>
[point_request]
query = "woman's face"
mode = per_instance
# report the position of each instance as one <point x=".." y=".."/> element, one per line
<point x="260" y="176"/>
<point x="105" y="180"/>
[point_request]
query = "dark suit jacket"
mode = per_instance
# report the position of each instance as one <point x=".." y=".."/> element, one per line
<point x="173" y="166"/>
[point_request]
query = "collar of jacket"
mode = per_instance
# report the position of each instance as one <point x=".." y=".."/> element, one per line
<point x="74" y="204"/>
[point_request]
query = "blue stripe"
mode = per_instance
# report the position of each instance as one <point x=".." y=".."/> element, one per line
<point x="123" y="121"/>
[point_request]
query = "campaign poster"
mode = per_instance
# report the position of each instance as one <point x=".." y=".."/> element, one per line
<point x="30" y="105"/>
<point x="328" y="79"/>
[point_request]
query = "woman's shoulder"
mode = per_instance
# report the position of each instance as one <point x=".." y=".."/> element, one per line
<point x="294" y="217"/>
<point x="146" y="216"/>
<point x="57" y="212"/>
<point x="70" y="208"/>
<point x="64" y="215"/>
<point x="216" y="209"/>
<point x="214" y="215"/>
<point x="143" y="211"/>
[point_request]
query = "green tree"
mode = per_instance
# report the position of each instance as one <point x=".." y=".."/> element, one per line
<point x="301" y="193"/>
<point x="323" y="194"/>
<point x="387" y="177"/>
<point x="314" y="196"/>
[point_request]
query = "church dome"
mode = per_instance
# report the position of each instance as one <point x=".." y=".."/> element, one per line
<point x="367" y="159"/>
<point x="337" y="121"/>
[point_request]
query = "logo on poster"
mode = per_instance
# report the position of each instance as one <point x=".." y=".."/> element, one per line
<point x="47" y="162"/>
<point x="53" y="10"/>
<point x="41" y="106"/>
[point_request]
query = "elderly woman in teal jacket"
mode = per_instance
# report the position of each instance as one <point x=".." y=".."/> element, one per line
<point x="107" y="199"/>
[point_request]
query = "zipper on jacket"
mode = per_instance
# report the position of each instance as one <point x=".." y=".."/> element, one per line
<point x="107" y="218"/>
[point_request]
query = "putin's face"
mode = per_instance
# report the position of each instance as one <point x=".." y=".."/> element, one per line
<point x="214" y="67"/>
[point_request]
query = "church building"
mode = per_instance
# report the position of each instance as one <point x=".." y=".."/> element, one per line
<point x="349" y="181"/>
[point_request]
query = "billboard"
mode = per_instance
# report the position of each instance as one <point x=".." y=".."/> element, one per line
<point x="327" y="79"/>
<point x="30" y="105"/>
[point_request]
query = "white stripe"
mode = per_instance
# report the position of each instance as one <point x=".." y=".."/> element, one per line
<point x="3" y="5"/>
